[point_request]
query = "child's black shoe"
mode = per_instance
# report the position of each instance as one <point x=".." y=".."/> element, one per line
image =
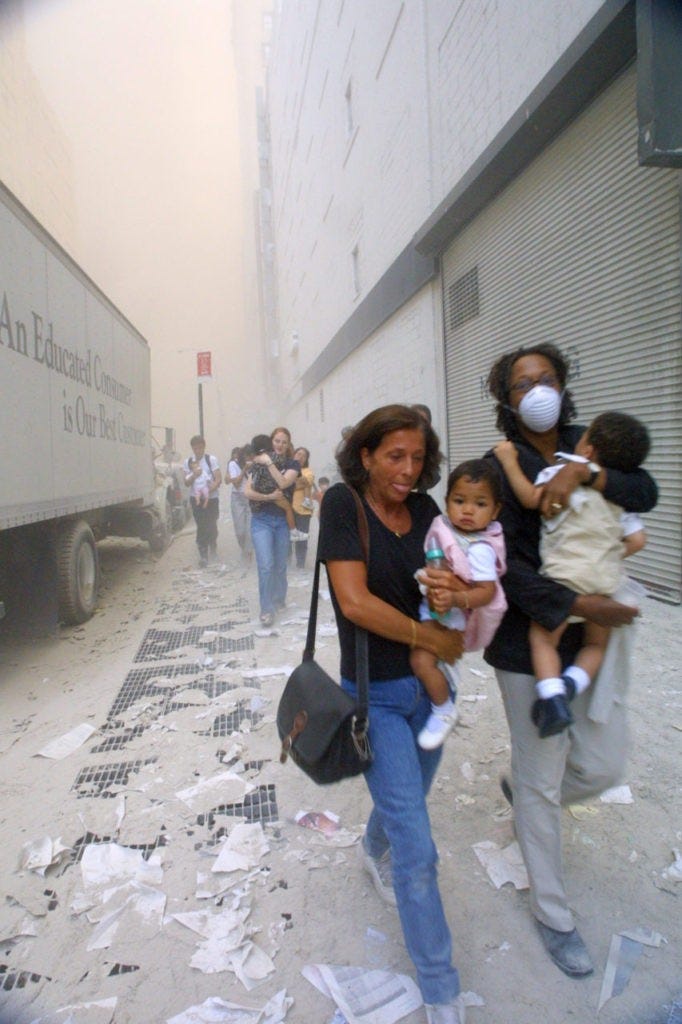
<point x="551" y="715"/>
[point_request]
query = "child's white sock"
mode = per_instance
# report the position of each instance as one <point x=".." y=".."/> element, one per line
<point x="443" y="709"/>
<point x="546" y="688"/>
<point x="579" y="677"/>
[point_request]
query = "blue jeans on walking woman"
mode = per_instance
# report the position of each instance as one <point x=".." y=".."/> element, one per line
<point x="270" y="538"/>
<point x="399" y="780"/>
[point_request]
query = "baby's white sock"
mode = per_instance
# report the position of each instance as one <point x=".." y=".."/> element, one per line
<point x="579" y="677"/>
<point x="443" y="709"/>
<point x="546" y="688"/>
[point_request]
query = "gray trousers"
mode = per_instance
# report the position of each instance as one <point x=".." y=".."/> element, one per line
<point x="548" y="773"/>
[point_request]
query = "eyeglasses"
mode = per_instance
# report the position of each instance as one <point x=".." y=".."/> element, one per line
<point x="523" y="386"/>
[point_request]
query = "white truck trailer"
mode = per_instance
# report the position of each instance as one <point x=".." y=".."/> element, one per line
<point x="74" y="419"/>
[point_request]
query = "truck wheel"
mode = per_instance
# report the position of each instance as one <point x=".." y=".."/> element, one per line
<point x="77" y="572"/>
<point x="159" y="538"/>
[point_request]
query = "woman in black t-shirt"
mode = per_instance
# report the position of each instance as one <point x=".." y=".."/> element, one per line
<point x="384" y="458"/>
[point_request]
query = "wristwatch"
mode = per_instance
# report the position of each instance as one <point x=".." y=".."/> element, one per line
<point x="595" y="470"/>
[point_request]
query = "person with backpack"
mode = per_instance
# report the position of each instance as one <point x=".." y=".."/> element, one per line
<point x="203" y="476"/>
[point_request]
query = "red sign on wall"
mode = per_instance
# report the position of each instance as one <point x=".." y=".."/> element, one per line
<point x="203" y="365"/>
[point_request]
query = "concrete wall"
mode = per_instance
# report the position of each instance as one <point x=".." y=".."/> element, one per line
<point x="429" y="84"/>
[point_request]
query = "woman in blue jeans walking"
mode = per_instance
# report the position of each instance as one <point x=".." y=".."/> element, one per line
<point x="384" y="458"/>
<point x="269" y="530"/>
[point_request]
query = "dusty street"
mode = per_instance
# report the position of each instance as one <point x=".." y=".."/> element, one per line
<point x="177" y="679"/>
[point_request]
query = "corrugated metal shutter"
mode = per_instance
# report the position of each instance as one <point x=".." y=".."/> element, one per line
<point x="583" y="250"/>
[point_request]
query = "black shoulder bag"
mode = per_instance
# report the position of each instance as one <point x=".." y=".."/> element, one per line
<point x="321" y="727"/>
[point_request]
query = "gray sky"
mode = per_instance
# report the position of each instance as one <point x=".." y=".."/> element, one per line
<point x="145" y="93"/>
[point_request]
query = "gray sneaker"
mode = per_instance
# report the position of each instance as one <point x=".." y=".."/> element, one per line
<point x="446" y="1013"/>
<point x="381" y="873"/>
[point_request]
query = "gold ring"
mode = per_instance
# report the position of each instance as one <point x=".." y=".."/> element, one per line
<point x="555" y="504"/>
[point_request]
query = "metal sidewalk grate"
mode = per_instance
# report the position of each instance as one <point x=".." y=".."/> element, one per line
<point x="160" y="643"/>
<point x="95" y="780"/>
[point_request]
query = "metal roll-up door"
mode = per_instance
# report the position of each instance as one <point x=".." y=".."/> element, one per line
<point x="583" y="250"/>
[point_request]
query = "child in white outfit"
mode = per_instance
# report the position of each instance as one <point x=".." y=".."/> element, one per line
<point x="472" y="543"/>
<point x="583" y="548"/>
<point x="199" y="488"/>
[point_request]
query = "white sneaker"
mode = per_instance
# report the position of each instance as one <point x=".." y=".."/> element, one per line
<point x="437" y="729"/>
<point x="381" y="873"/>
<point x="446" y="1013"/>
<point x="295" y="535"/>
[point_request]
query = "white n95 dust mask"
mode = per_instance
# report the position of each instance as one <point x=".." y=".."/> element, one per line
<point x="539" y="409"/>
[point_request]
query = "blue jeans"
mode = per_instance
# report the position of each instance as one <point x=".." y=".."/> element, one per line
<point x="399" y="780"/>
<point x="270" y="538"/>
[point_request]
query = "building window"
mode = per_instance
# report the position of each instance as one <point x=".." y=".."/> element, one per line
<point x="355" y="270"/>
<point x="463" y="299"/>
<point x="350" y="124"/>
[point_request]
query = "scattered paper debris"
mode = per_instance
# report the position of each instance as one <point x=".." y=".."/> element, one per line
<point x="623" y="955"/>
<point x="224" y="788"/>
<point x="617" y="795"/>
<point x="215" y="1010"/>
<point x="472" y="698"/>
<point x="40" y="854"/>
<point x="106" y="863"/>
<point x="502" y="865"/>
<point x="64" y="745"/>
<point x="242" y="849"/>
<point x="365" y="997"/>
<point x="98" y="1011"/>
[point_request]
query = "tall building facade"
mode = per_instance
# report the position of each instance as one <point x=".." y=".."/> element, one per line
<point x="453" y="180"/>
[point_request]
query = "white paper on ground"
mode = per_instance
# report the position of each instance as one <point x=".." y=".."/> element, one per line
<point x="224" y="788"/>
<point x="264" y="673"/>
<point x="40" y="854"/>
<point x="19" y="926"/>
<point x="617" y="795"/>
<point x="647" y="936"/>
<point x="99" y="1011"/>
<point x="365" y="997"/>
<point x="216" y="1011"/>
<point x="219" y="925"/>
<point x="109" y="863"/>
<point x="242" y="849"/>
<point x="64" y="745"/>
<point x="502" y="865"/>
<point x="138" y="908"/>
<point x="251" y="964"/>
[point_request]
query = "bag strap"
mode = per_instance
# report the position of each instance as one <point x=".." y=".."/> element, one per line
<point x="361" y="648"/>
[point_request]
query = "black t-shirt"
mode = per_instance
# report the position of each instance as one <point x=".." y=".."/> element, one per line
<point x="393" y="561"/>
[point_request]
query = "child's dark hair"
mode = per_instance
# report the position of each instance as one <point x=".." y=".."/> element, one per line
<point x="478" y="470"/>
<point x="322" y="480"/>
<point x="619" y="441"/>
<point x="261" y="443"/>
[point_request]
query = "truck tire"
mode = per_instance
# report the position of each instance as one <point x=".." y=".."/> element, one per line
<point x="77" y="572"/>
<point x="160" y="536"/>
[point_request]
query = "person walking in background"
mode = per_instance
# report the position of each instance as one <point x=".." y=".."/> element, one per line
<point x="383" y="459"/>
<point x="269" y="529"/>
<point x="322" y="488"/>
<point x="240" y="460"/>
<point x="202" y="474"/>
<point x="303" y="504"/>
<point x="534" y="410"/>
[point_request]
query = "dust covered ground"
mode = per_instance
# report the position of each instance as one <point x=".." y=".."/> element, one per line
<point x="174" y="675"/>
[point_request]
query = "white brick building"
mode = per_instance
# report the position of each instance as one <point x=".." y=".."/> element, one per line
<point x="451" y="179"/>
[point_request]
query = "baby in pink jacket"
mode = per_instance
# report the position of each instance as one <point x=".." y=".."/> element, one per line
<point x="471" y="542"/>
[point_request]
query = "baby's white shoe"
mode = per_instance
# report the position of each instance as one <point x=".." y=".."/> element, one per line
<point x="438" y="727"/>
